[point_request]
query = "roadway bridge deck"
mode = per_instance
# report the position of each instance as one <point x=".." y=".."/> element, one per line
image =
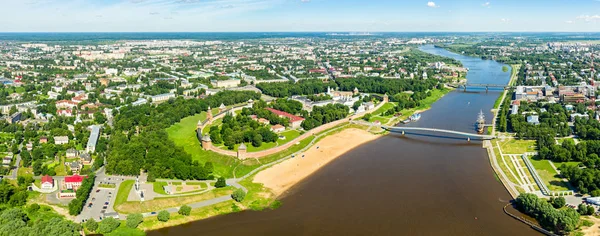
<point x="486" y="86"/>
<point x="403" y="130"/>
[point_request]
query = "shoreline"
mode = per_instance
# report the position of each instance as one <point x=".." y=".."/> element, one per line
<point x="281" y="177"/>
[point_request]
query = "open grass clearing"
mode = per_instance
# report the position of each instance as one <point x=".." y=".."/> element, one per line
<point x="517" y="146"/>
<point x="168" y="202"/>
<point x="123" y="192"/>
<point x="550" y="177"/>
<point x="158" y="187"/>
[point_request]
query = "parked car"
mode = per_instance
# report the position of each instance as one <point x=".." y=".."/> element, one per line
<point x="97" y="190"/>
<point x="153" y="213"/>
<point x="90" y="205"/>
<point x="93" y="199"/>
<point x="105" y="203"/>
<point x="104" y="207"/>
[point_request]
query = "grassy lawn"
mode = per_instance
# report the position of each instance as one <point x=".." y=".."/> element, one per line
<point x="123" y="230"/>
<point x="201" y="184"/>
<point x="289" y="136"/>
<point x="158" y="187"/>
<point x="222" y="208"/>
<point x="168" y="202"/>
<point x="38" y="183"/>
<point x="184" y="135"/>
<point x="504" y="167"/>
<point x="175" y="183"/>
<point x="107" y="185"/>
<point x="60" y="168"/>
<point x="123" y="192"/>
<point x="25" y="171"/>
<point x="516" y="146"/>
<point x="249" y="147"/>
<point x="550" y="177"/>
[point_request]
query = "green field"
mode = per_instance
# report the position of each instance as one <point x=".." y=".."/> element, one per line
<point x="201" y="184"/>
<point x="158" y="187"/>
<point x="551" y="178"/>
<point x="517" y="146"/>
<point x="184" y="135"/>
<point x="123" y="192"/>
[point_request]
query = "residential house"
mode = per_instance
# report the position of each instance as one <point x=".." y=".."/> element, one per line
<point x="533" y="119"/>
<point x="47" y="182"/>
<point x="75" y="166"/>
<point x="60" y="140"/>
<point x="277" y="128"/>
<point x="72" y="153"/>
<point x="86" y="158"/>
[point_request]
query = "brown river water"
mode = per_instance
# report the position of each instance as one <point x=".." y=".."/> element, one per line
<point x="396" y="185"/>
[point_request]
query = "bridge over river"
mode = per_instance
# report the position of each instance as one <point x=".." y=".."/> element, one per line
<point x="403" y="130"/>
<point x="486" y="86"/>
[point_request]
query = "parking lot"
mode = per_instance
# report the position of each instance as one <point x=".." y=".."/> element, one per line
<point x="102" y="201"/>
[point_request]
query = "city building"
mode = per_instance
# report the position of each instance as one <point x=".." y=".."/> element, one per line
<point x="47" y="182"/>
<point x="295" y="121"/>
<point x="93" y="139"/>
<point x="60" y="140"/>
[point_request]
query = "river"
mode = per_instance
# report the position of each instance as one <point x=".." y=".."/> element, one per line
<point x="396" y="185"/>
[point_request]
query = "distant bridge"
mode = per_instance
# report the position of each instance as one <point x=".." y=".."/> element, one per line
<point x="403" y="130"/>
<point x="486" y="86"/>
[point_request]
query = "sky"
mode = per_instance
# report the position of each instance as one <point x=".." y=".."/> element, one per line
<point x="299" y="15"/>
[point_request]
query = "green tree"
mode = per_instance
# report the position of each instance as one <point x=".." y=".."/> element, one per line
<point x="185" y="210"/>
<point x="257" y="140"/>
<point x="220" y="183"/>
<point x="108" y="225"/>
<point x="558" y="202"/>
<point x="133" y="220"/>
<point x="238" y="195"/>
<point x="91" y="225"/>
<point x="164" y="216"/>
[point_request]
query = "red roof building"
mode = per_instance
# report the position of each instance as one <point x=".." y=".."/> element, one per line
<point x="295" y="121"/>
<point x="47" y="182"/>
<point x="73" y="182"/>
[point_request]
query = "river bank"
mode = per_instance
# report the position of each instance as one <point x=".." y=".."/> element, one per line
<point x="281" y="177"/>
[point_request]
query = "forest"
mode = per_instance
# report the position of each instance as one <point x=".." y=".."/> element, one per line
<point x="241" y="129"/>
<point x="560" y="221"/>
<point x="288" y="89"/>
<point x="325" y="114"/>
<point x="139" y="141"/>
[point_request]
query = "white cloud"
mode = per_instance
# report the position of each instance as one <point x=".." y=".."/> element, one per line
<point x="305" y="0"/>
<point x="569" y="22"/>
<point x="487" y="4"/>
<point x="432" y="4"/>
<point x="505" y="20"/>
<point x="589" y="17"/>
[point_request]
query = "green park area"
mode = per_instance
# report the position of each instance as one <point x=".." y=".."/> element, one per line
<point x="161" y="203"/>
<point x="184" y="135"/>
<point x="517" y="146"/>
<point x="287" y="135"/>
<point x="549" y="175"/>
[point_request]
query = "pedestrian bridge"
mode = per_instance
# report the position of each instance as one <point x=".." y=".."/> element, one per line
<point x="403" y="130"/>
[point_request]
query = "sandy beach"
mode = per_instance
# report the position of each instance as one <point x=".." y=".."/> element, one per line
<point x="282" y="176"/>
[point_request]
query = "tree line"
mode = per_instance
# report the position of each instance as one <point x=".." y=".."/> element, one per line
<point x="83" y="193"/>
<point x="560" y="221"/>
<point x="325" y="114"/>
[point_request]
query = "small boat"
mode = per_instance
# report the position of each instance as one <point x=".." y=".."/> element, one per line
<point x="415" y="117"/>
